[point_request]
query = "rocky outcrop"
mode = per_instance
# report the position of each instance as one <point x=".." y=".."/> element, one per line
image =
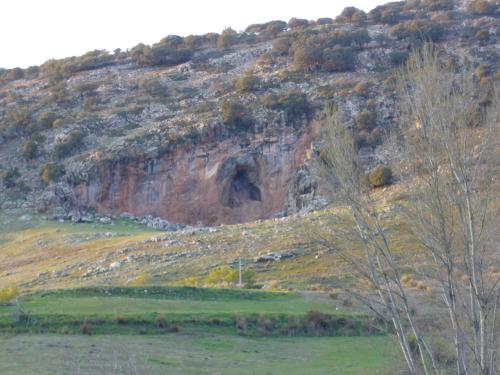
<point x="234" y="181"/>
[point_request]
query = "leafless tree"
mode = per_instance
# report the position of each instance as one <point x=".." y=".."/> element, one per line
<point x="449" y="164"/>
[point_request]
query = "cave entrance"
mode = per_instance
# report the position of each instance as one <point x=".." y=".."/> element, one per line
<point x="242" y="187"/>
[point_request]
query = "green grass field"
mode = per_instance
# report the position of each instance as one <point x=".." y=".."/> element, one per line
<point x="138" y="310"/>
<point x="179" y="330"/>
<point x="195" y="354"/>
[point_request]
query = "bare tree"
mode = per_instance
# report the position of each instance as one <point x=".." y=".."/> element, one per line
<point x="449" y="162"/>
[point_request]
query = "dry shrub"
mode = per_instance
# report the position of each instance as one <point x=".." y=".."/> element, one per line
<point x="86" y="328"/>
<point x="240" y="322"/>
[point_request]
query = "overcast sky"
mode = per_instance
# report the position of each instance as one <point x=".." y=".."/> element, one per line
<point x="32" y="31"/>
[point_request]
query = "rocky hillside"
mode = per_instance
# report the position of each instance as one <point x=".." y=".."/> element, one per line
<point x="219" y="128"/>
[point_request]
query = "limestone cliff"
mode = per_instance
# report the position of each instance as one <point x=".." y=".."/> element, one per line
<point x="215" y="128"/>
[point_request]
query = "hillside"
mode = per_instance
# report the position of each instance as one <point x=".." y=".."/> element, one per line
<point x="219" y="128"/>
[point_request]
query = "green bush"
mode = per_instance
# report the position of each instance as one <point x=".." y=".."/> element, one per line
<point x="294" y="103"/>
<point x="227" y="38"/>
<point x="153" y="87"/>
<point x="32" y="71"/>
<point x="386" y="14"/>
<point x="338" y="59"/>
<point x="398" y="57"/>
<point x="10" y="178"/>
<point x="46" y="120"/>
<point x="72" y="142"/>
<point x="379" y="176"/>
<point x="249" y="277"/>
<point x="281" y="46"/>
<point x="306" y="56"/>
<point x="417" y="31"/>
<point x="267" y="30"/>
<point x="482" y="7"/>
<point x="19" y="120"/>
<point x="15" y="73"/>
<point x="247" y="83"/>
<point x="236" y="115"/>
<point x="352" y="14"/>
<point x="59" y="92"/>
<point x="7" y="294"/>
<point x="52" y="172"/>
<point x="482" y="35"/>
<point x="222" y="275"/>
<point x="295" y="23"/>
<point x="169" y="51"/>
<point x="30" y="150"/>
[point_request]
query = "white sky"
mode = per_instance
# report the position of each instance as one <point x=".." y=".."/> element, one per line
<point x="32" y="31"/>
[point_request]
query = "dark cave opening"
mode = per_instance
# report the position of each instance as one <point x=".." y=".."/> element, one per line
<point x="241" y="188"/>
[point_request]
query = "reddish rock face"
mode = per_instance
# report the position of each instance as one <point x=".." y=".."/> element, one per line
<point x="224" y="185"/>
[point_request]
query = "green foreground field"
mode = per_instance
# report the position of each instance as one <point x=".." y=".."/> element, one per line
<point x="179" y="330"/>
<point x="195" y="354"/>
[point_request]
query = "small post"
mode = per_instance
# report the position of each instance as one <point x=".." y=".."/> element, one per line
<point x="240" y="277"/>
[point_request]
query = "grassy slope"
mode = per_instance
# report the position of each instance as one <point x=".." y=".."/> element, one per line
<point x="198" y="354"/>
<point x="30" y="248"/>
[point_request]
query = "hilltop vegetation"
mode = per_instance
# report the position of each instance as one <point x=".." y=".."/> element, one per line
<point x="186" y="92"/>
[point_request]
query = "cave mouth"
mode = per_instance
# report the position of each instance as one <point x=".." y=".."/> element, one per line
<point x="240" y="188"/>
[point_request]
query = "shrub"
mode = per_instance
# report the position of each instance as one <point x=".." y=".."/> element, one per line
<point x="222" y="275"/>
<point x="52" y="172"/>
<point x="324" y="21"/>
<point x="10" y="178"/>
<point x="15" y="73"/>
<point x="294" y="103"/>
<point x="46" y="119"/>
<point x="483" y="71"/>
<point x="19" y="119"/>
<point x="58" y="123"/>
<point x="417" y="31"/>
<point x="306" y="56"/>
<point x="379" y="176"/>
<point x="482" y="7"/>
<point x="141" y="279"/>
<point x="360" y="37"/>
<point x="30" y="149"/>
<point x="7" y="294"/>
<point x="121" y="320"/>
<point x="295" y="23"/>
<point x="72" y="142"/>
<point x="161" y="322"/>
<point x="86" y="328"/>
<point x="281" y="46"/>
<point x="59" y="92"/>
<point x="352" y="14"/>
<point x="236" y="115"/>
<point x="32" y="71"/>
<point x="365" y="120"/>
<point x="153" y="87"/>
<point x="383" y="14"/>
<point x="240" y="322"/>
<point x="398" y="57"/>
<point x="249" y="277"/>
<point x="360" y="89"/>
<point x="247" y="83"/>
<point x="482" y="35"/>
<point x="90" y="103"/>
<point x="338" y="59"/>
<point x="267" y="30"/>
<point x="435" y="5"/>
<point x="227" y="38"/>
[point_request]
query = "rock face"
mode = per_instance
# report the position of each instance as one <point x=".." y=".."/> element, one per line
<point x="232" y="182"/>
